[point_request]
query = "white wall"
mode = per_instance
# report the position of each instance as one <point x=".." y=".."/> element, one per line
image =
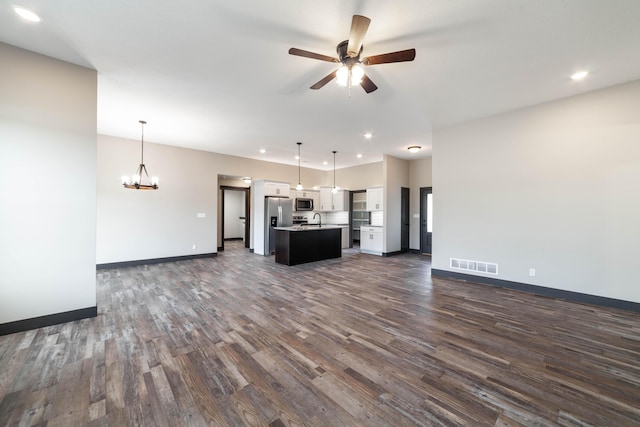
<point x="555" y="187"/>
<point x="47" y="185"/>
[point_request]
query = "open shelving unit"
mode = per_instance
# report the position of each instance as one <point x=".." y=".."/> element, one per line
<point x="360" y="214"/>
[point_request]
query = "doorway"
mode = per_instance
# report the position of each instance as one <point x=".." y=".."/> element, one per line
<point x="235" y="214"/>
<point x="404" y="218"/>
<point x="426" y="220"/>
<point x="359" y="215"/>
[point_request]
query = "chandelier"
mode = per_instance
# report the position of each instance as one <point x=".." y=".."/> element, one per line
<point x="140" y="179"/>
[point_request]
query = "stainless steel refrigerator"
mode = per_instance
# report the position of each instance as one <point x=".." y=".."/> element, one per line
<point x="278" y="212"/>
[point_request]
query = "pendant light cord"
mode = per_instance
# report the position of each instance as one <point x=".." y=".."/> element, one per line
<point x="334" y="169"/>
<point x="142" y="123"/>
<point x="299" y="162"/>
<point x="299" y="144"/>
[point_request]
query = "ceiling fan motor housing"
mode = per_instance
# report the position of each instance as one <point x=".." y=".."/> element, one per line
<point x="341" y="49"/>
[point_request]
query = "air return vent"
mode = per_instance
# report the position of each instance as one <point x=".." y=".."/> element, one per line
<point x="479" y="266"/>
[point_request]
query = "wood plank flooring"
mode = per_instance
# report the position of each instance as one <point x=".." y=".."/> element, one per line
<point x="359" y="341"/>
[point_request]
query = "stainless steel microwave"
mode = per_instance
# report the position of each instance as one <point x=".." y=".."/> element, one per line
<point x="304" y="204"/>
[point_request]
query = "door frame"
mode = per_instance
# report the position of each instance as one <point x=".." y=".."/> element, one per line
<point x="247" y="213"/>
<point x="405" y="220"/>
<point x="423" y="218"/>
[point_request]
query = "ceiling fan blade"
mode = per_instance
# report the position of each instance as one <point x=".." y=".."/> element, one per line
<point x="367" y="84"/>
<point x="325" y="80"/>
<point x="359" y="27"/>
<point x="386" y="58"/>
<point x="312" y="55"/>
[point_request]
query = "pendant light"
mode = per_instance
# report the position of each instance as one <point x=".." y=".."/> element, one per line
<point x="335" y="189"/>
<point x="299" y="186"/>
<point x="138" y="181"/>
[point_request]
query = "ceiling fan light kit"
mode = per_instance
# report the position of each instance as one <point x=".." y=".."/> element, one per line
<point x="349" y="51"/>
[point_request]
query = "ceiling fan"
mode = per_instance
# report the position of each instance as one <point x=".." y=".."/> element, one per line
<point x="349" y="51"/>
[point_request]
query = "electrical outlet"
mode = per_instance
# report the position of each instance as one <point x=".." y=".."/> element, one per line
<point x="532" y="272"/>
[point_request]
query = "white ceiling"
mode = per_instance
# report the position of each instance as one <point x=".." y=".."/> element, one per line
<point x="215" y="75"/>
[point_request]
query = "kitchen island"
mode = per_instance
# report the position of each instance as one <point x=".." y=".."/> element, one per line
<point x="298" y="245"/>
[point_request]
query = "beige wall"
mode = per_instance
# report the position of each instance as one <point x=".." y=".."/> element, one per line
<point x="47" y="185"/>
<point x="553" y="187"/>
<point x="139" y="225"/>
<point x="357" y="177"/>
<point x="395" y="175"/>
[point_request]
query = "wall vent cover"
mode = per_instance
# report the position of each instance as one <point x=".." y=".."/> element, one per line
<point x="479" y="266"/>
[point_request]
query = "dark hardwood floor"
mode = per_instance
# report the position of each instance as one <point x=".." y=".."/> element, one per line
<point x="362" y="340"/>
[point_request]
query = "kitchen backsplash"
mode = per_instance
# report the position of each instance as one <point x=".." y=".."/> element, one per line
<point x="341" y="217"/>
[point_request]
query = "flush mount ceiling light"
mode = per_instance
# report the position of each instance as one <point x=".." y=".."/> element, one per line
<point x="414" y="149"/>
<point x="246" y="180"/>
<point x="335" y="189"/>
<point x="580" y="75"/>
<point x="299" y="186"/>
<point x="27" y="14"/>
<point x="368" y="135"/>
<point x="139" y="181"/>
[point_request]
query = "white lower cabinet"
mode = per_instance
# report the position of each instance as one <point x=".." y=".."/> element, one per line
<point x="371" y="240"/>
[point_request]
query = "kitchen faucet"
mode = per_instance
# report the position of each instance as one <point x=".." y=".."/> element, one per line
<point x="320" y="220"/>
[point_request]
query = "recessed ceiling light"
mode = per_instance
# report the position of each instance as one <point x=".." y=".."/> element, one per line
<point x="368" y="135"/>
<point x="297" y="157"/>
<point x="325" y="163"/>
<point x="27" y="14"/>
<point x="580" y="75"/>
<point x="359" y="156"/>
<point x="262" y="151"/>
<point x="414" y="148"/>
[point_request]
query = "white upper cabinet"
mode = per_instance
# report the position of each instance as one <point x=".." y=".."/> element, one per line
<point x="375" y="199"/>
<point x="341" y="200"/>
<point x="326" y="200"/>
<point x="330" y="201"/>
<point x="276" y="189"/>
